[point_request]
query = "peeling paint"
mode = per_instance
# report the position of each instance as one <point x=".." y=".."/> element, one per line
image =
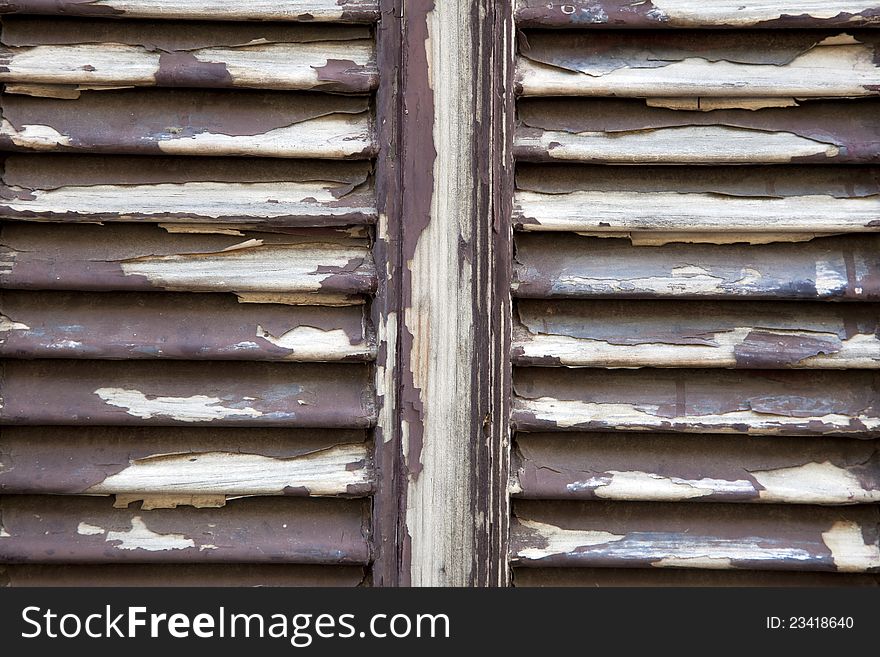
<point x="141" y="537"/>
<point x="197" y="408"/>
<point x="849" y="549"/>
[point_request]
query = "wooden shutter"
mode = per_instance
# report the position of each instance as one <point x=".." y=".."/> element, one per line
<point x="695" y="328"/>
<point x="188" y="201"/>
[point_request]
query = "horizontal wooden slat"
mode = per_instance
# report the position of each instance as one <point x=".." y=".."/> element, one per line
<point x="143" y="257"/>
<point x="219" y="55"/>
<point x="167" y="393"/>
<point x="805" y="199"/>
<point x="705" y="536"/>
<point x="696" y="334"/>
<point x="164" y="466"/>
<point x="184" y="122"/>
<point x="178" y="326"/>
<point x="566" y="265"/>
<point x="629" y="131"/>
<point x="179" y="575"/>
<point x="702" y="468"/>
<point x="343" y="11"/>
<point x="687" y="13"/>
<point x="84" y="530"/>
<point x="69" y="188"/>
<point x="698" y="401"/>
<point x="672" y="577"/>
<point x="801" y="64"/>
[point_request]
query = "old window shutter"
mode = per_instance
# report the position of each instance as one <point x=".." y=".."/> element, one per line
<point x="472" y="284"/>
<point x="187" y="271"/>
<point x="688" y="203"/>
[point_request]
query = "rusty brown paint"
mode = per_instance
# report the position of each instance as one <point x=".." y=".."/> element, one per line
<point x="605" y="14"/>
<point x="164" y="36"/>
<point x="94" y="258"/>
<point x="173" y="575"/>
<point x="852" y="126"/>
<point x="707" y="536"/>
<point x="833" y="268"/>
<point x="177" y="326"/>
<point x="699" y="401"/>
<point x="54" y="171"/>
<point x="346" y="76"/>
<point x="61" y="460"/>
<point x="741" y="181"/>
<point x="88" y="530"/>
<point x="156" y="393"/>
<point x="700" y="468"/>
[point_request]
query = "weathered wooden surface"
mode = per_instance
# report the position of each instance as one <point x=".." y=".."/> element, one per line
<point x="223" y="55"/>
<point x="84" y="530"/>
<point x="185" y="393"/>
<point x="655" y="14"/>
<point x="162" y="575"/>
<point x="836" y="268"/>
<point x="701" y="468"/>
<point x="179" y="465"/>
<point x="674" y="577"/>
<point x="630" y="131"/>
<point x="704" y="536"/>
<point x="801" y="64"/>
<point x="270" y="192"/>
<point x="178" y="326"/>
<point x="696" y="334"/>
<point x="342" y="11"/>
<point x="191" y="122"/>
<point x="128" y="257"/>
<point x="698" y="401"/>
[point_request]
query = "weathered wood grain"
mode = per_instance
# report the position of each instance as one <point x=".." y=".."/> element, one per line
<point x="629" y="131"/>
<point x="127" y="257"/>
<point x="700" y="468"/>
<point x="222" y="55"/>
<point x="342" y="11"/>
<point x="696" y="334"/>
<point x="699" y="401"/>
<point x="834" y="268"/>
<point x="89" y="530"/>
<point x="702" y="536"/>
<point x="157" y="393"/>
<point x="178" y="326"/>
<point x="165" y="466"/>
<point x="191" y="122"/>
<point x="808" y="64"/>
<point x="656" y="14"/>
<point x="182" y="575"/>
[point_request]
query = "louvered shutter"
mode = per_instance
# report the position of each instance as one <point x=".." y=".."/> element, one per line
<point x="188" y="201"/>
<point x="695" y="327"/>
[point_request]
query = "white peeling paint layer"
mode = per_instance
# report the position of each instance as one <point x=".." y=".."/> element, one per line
<point x="563" y="541"/>
<point x="140" y="537"/>
<point x="649" y="486"/>
<point x="749" y="12"/>
<point x="36" y="137"/>
<point x="814" y="483"/>
<point x="571" y="413"/>
<point x="85" y="529"/>
<point x="848" y="548"/>
<point x="198" y="408"/>
<point x="715" y="144"/>
<point x="7" y="324"/>
<point x="325" y="472"/>
<point x="308" y="343"/>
